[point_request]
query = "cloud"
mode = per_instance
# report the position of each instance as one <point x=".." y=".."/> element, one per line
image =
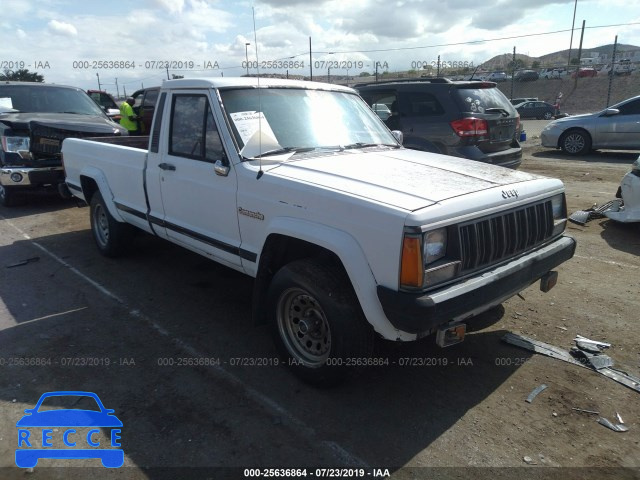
<point x="172" y="6"/>
<point x="21" y="34"/>
<point x="62" y="28"/>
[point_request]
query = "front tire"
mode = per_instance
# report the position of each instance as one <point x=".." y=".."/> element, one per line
<point x="316" y="322"/>
<point x="575" y="142"/>
<point x="112" y="237"/>
<point x="548" y="115"/>
<point x="9" y="197"/>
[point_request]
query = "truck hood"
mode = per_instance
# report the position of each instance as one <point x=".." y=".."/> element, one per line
<point x="62" y="121"/>
<point x="402" y="178"/>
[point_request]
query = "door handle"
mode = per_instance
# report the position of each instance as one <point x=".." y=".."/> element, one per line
<point x="167" y="166"/>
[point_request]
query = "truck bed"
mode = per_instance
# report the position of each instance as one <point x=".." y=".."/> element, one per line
<point x="119" y="159"/>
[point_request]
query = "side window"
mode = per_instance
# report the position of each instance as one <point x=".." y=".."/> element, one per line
<point x="631" y="108"/>
<point x="381" y="103"/>
<point x="193" y="131"/>
<point x="188" y="113"/>
<point x="213" y="144"/>
<point x="423" y="104"/>
<point x="150" y="98"/>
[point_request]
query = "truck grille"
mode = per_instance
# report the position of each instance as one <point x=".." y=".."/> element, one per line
<point x="491" y="239"/>
<point x="47" y="141"/>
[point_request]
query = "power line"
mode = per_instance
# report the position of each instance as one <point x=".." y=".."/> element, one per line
<point x="475" y="41"/>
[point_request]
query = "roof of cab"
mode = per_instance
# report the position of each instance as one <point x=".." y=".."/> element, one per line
<point x="228" y="82"/>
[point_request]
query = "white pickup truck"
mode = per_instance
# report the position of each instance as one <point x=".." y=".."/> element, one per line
<point x="348" y="235"/>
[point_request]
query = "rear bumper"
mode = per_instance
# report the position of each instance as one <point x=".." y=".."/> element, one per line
<point x="510" y="158"/>
<point x="27" y="177"/>
<point x="423" y="312"/>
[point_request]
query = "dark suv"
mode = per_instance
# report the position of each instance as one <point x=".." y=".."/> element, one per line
<point x="467" y="119"/>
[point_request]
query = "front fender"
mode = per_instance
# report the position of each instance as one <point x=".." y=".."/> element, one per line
<point x="354" y="261"/>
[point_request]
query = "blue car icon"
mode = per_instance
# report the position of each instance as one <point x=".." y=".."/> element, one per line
<point x="66" y="421"/>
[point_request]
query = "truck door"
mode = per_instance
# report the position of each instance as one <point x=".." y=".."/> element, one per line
<point x="199" y="205"/>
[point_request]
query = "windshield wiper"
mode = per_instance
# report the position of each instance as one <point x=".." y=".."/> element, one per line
<point x="280" y="151"/>
<point x="497" y="110"/>
<point x="364" y="145"/>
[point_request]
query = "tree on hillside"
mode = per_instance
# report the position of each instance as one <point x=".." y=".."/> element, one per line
<point x="22" y="75"/>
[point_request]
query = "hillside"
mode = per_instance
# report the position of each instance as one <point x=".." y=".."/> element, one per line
<point x="589" y="96"/>
<point x="561" y="57"/>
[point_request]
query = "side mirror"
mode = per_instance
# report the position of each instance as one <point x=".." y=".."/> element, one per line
<point x="220" y="168"/>
<point x="398" y="136"/>
<point x="611" y="111"/>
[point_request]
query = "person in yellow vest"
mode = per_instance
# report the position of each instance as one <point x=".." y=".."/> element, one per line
<point x="129" y="119"/>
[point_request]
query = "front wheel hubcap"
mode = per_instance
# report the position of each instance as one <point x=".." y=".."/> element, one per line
<point x="574" y="143"/>
<point x="303" y="327"/>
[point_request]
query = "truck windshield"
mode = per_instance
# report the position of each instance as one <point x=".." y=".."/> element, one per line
<point x="47" y="99"/>
<point x="291" y="119"/>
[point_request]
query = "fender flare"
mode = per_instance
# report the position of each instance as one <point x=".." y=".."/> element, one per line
<point x="354" y="261"/>
<point x="99" y="177"/>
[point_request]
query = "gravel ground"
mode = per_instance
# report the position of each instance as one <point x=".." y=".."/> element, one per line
<point x="457" y="413"/>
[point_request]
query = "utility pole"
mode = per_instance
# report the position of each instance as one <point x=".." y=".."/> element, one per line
<point x="438" y="71"/>
<point x="513" y="71"/>
<point x="612" y="71"/>
<point x="167" y="72"/>
<point x="246" y="56"/>
<point x="99" y="87"/>
<point x="376" y="72"/>
<point x="117" y="89"/>
<point x="579" y="55"/>
<point x="575" y="5"/>
<point x="310" y="62"/>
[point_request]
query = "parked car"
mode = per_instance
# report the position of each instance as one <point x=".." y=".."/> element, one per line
<point x="526" y="76"/>
<point x="616" y="128"/>
<point x="497" y="77"/>
<point x="144" y="106"/>
<point x="519" y="100"/>
<point x="107" y="103"/>
<point x="627" y="206"/>
<point x="34" y="119"/>
<point x="553" y="73"/>
<point x="469" y="119"/>
<point x="381" y="110"/>
<point x="585" y="72"/>
<point x="536" y="109"/>
<point x="348" y="235"/>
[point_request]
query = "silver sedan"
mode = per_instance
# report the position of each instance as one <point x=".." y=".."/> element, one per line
<point x="616" y="128"/>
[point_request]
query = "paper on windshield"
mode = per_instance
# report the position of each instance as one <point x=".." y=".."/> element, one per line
<point x="255" y="132"/>
<point x="6" y="102"/>
<point x="248" y="123"/>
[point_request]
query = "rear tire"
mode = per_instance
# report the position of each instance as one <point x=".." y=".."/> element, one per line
<point x="112" y="237"/>
<point x="316" y="322"/>
<point x="548" y="115"/>
<point x="575" y="142"/>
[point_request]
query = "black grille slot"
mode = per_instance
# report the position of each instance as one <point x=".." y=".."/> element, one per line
<point x="47" y="141"/>
<point x="492" y="239"/>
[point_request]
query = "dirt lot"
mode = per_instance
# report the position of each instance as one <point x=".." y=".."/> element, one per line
<point x="112" y="327"/>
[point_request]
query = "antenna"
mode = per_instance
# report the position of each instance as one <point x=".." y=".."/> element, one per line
<point x="255" y="40"/>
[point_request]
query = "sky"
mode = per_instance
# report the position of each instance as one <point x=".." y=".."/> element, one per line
<point x="77" y="43"/>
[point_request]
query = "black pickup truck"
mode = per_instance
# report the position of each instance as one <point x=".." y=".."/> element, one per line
<point x="34" y="119"/>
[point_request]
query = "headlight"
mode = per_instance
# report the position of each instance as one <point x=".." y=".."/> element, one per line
<point x="435" y="245"/>
<point x="14" y="144"/>
<point x="559" y="209"/>
<point x="424" y="260"/>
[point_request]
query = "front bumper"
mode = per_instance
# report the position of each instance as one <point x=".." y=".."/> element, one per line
<point x="550" y="138"/>
<point x="27" y="176"/>
<point x="423" y="312"/>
